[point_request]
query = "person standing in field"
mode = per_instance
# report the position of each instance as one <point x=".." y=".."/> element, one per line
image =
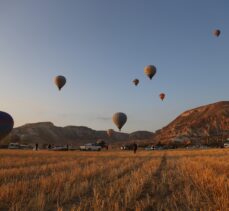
<point x="36" y="147"/>
<point x="135" y="147"/>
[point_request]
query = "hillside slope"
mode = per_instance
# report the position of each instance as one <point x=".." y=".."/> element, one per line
<point x="206" y="121"/>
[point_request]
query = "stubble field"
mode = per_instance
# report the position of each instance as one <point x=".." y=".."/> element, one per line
<point x="116" y="180"/>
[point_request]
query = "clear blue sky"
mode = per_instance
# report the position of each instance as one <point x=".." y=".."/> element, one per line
<point x="101" y="46"/>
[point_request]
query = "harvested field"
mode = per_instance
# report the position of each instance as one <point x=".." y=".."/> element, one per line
<point x="116" y="180"/>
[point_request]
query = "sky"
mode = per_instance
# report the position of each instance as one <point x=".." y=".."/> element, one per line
<point x="100" y="47"/>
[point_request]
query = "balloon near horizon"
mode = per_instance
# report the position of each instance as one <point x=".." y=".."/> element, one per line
<point x="6" y="124"/>
<point x="110" y="132"/>
<point x="119" y="119"/>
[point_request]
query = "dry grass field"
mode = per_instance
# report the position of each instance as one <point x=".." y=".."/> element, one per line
<point x="106" y="181"/>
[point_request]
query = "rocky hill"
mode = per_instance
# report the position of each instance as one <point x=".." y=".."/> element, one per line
<point x="48" y="133"/>
<point x="209" y="122"/>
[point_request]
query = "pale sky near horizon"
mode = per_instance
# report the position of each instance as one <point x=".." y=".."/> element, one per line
<point x="100" y="47"/>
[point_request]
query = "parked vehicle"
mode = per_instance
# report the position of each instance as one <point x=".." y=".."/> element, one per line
<point x="90" y="147"/>
<point x="150" y="148"/>
<point x="153" y="148"/>
<point x="59" y="148"/>
<point x="24" y="146"/>
<point x="19" y="146"/>
<point x="73" y="148"/>
<point x="14" y="146"/>
<point x="226" y="145"/>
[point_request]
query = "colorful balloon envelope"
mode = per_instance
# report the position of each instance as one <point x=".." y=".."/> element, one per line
<point x="216" y="32"/>
<point x="119" y="119"/>
<point x="162" y="96"/>
<point x="60" y="81"/>
<point x="136" y="81"/>
<point x="6" y="124"/>
<point x="150" y="71"/>
<point x="110" y="132"/>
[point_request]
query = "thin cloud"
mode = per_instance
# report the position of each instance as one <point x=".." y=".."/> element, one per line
<point x="103" y="118"/>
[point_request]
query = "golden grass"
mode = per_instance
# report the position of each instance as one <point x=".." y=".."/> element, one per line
<point x="154" y="180"/>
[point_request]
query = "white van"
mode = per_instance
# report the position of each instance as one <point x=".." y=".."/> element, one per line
<point x="14" y="146"/>
<point x="90" y="147"/>
<point x="226" y="145"/>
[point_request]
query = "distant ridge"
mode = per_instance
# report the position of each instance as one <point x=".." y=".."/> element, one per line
<point x="48" y="133"/>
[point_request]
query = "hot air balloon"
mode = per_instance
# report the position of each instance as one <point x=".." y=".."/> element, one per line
<point x="150" y="71"/>
<point x="60" y="81"/>
<point x="216" y="32"/>
<point x="136" y="81"/>
<point x="6" y="124"/>
<point x="110" y="132"/>
<point x="119" y="119"/>
<point x="162" y="96"/>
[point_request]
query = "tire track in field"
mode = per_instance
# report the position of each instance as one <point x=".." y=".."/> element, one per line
<point x="155" y="190"/>
<point x="87" y="197"/>
<point x="147" y="189"/>
<point x="119" y="190"/>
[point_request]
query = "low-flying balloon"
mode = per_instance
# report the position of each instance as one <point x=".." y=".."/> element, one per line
<point x="216" y="32"/>
<point x="6" y="124"/>
<point x="119" y="119"/>
<point x="162" y="96"/>
<point x="110" y="132"/>
<point x="136" y="81"/>
<point x="150" y="71"/>
<point x="60" y="81"/>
